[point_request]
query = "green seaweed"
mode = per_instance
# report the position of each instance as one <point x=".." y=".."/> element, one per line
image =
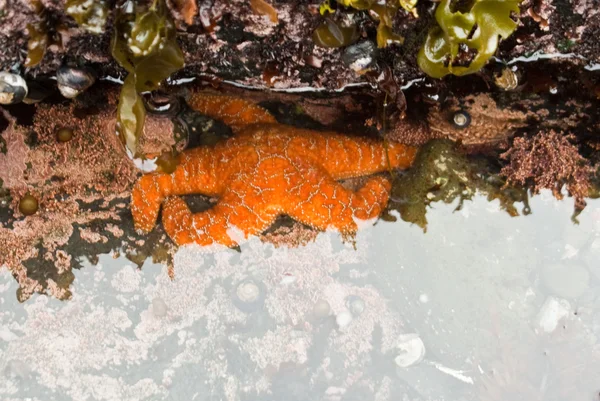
<point x="37" y="43"/>
<point x="39" y="40"/>
<point x="391" y="5"/>
<point x="332" y="34"/>
<point x="131" y="115"/>
<point x="143" y="43"/>
<point x="441" y="173"/>
<point x="384" y="12"/>
<point x="477" y="29"/>
<point x="91" y="15"/>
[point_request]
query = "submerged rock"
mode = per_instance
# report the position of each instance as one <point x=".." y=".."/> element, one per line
<point x="566" y="281"/>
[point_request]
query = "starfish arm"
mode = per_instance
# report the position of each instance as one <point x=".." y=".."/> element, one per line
<point x="194" y="174"/>
<point x="146" y="197"/>
<point x="369" y="201"/>
<point x="185" y="227"/>
<point x="240" y="207"/>
<point x="319" y="201"/>
<point x="234" y="112"/>
<point x="344" y="156"/>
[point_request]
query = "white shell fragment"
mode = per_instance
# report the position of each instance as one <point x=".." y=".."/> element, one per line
<point x="411" y="350"/>
<point x="321" y="309"/>
<point x="343" y="319"/>
<point x="552" y="312"/>
<point x="288" y="279"/>
<point x="159" y="307"/>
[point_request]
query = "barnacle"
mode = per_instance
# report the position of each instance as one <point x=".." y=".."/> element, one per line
<point x="144" y="44"/>
<point x="464" y="40"/>
<point x="89" y="14"/>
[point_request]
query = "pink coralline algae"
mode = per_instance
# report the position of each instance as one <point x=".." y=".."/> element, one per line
<point x="12" y="161"/>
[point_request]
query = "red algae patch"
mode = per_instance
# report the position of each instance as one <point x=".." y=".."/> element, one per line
<point x="14" y="154"/>
<point x="549" y="160"/>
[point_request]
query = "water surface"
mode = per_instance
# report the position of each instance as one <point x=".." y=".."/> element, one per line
<point x="481" y="307"/>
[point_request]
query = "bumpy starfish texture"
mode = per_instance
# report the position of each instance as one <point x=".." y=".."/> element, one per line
<point x="265" y="170"/>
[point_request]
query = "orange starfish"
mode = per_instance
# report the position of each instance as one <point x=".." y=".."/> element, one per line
<point x="266" y="169"/>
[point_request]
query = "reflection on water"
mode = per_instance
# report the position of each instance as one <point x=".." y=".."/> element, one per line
<point x="481" y="307"/>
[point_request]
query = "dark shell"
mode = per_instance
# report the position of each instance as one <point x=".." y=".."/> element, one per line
<point x="72" y="81"/>
<point x="360" y="56"/>
<point x="162" y="104"/>
<point x="38" y="90"/>
<point x="13" y="88"/>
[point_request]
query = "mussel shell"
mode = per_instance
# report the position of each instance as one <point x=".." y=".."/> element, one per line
<point x="13" y="88"/>
<point x="72" y="81"/>
<point x="38" y="91"/>
<point x="162" y="104"/>
<point x="360" y="56"/>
